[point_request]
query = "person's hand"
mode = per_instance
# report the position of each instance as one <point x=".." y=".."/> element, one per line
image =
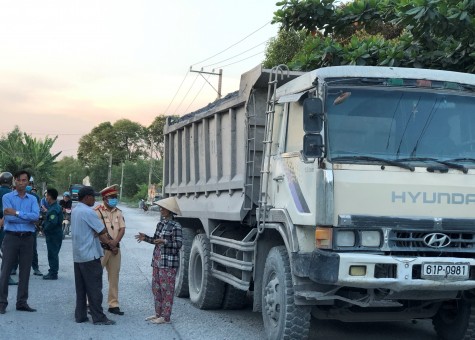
<point x="140" y="237"/>
<point x="159" y="241"/>
<point x="115" y="251"/>
<point x="9" y="211"/>
<point x="43" y="208"/>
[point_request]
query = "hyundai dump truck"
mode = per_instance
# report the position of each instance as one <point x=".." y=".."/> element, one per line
<point x="345" y="193"/>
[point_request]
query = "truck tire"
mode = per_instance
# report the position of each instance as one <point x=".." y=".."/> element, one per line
<point x="234" y="298"/>
<point x="455" y="320"/>
<point x="206" y="292"/>
<point x="282" y="318"/>
<point x="181" y="281"/>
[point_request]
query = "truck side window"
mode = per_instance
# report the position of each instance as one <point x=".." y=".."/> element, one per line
<point x="294" y="134"/>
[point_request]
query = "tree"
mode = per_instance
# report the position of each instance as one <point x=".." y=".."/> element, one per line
<point x="67" y="171"/>
<point x="155" y="134"/>
<point x="283" y="48"/>
<point x="131" y="137"/>
<point x="420" y="33"/>
<point x="20" y="151"/>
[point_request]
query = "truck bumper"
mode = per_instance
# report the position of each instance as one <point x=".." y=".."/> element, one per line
<point x="396" y="273"/>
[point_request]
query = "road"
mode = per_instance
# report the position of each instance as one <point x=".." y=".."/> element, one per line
<point x="55" y="301"/>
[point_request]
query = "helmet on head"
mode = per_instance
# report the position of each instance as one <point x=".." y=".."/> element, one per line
<point x="6" y="178"/>
<point x="66" y="194"/>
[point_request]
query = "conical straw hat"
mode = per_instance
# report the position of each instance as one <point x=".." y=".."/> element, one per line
<point x="169" y="204"/>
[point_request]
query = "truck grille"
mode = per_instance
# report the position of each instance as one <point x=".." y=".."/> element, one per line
<point x="415" y="241"/>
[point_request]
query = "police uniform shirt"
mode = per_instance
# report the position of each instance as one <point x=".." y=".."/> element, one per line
<point x="113" y="219"/>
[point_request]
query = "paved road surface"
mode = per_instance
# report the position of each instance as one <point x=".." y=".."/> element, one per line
<point x="55" y="301"/>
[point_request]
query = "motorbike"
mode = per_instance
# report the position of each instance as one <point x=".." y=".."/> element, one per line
<point x="66" y="222"/>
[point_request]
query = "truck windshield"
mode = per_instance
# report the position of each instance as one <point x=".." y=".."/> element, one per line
<point x="400" y="123"/>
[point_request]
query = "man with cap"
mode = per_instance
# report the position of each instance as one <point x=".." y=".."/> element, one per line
<point x="113" y="220"/>
<point x="87" y="233"/>
<point x="6" y="182"/>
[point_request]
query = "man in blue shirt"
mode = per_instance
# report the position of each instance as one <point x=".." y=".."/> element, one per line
<point x="6" y="182"/>
<point x="20" y="211"/>
<point x="87" y="232"/>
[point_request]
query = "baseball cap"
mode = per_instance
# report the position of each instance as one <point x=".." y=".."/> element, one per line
<point x="87" y="191"/>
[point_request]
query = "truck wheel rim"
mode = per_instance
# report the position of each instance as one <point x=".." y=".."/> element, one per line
<point x="272" y="300"/>
<point x="197" y="273"/>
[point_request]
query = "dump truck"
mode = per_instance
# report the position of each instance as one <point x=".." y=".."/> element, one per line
<point x="344" y="193"/>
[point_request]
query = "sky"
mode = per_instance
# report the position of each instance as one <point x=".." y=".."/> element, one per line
<point x="67" y="66"/>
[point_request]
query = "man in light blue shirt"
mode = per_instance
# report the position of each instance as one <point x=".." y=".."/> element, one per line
<point x="20" y="211"/>
<point x="87" y="234"/>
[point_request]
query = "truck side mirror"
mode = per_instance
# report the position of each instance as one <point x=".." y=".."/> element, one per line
<point x="312" y="115"/>
<point x="313" y="145"/>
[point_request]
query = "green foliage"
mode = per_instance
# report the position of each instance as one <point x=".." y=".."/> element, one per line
<point x="409" y="33"/>
<point x="155" y="134"/>
<point x="142" y="192"/>
<point x="283" y="48"/>
<point x="21" y="151"/>
<point x="67" y="171"/>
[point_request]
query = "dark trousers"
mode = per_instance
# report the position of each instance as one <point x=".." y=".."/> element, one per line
<point x="16" y="248"/>
<point x="2" y="235"/>
<point x="34" y="262"/>
<point x="54" y="241"/>
<point x="88" y="280"/>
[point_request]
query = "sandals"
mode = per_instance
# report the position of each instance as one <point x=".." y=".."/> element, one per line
<point x="159" y="321"/>
<point x="151" y="318"/>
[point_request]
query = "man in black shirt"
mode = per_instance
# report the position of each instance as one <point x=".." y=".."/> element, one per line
<point x="66" y="202"/>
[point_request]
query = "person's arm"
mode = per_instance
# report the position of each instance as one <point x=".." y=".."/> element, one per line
<point x="96" y="224"/>
<point x="121" y="232"/>
<point x="11" y="215"/>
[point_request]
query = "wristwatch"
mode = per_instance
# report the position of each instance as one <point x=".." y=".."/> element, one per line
<point x="17" y="213"/>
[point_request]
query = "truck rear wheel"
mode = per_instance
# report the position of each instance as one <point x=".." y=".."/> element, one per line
<point x="181" y="282"/>
<point x="206" y="292"/>
<point x="282" y="318"/>
<point x="455" y="320"/>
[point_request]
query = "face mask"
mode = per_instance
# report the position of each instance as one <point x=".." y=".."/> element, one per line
<point x="112" y="202"/>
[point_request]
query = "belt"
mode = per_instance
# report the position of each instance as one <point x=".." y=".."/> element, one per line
<point x="19" y="233"/>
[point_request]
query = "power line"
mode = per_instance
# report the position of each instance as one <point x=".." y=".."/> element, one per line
<point x="237" y="55"/>
<point x="233" y="44"/>
<point x="201" y="89"/>
<point x="179" y="87"/>
<point x="185" y="95"/>
<point x="223" y="66"/>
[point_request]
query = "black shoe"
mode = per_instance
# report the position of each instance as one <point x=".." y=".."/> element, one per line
<point x="116" y="310"/>
<point x="3" y="309"/>
<point x="50" y="277"/>
<point x="86" y="319"/>
<point x="25" y="308"/>
<point x="105" y="322"/>
<point x="37" y="272"/>
<point x="12" y="282"/>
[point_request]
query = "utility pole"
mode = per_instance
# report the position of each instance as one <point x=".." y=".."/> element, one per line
<point x="151" y="166"/>
<point x="109" y="175"/>
<point x="121" y="181"/>
<point x="220" y="80"/>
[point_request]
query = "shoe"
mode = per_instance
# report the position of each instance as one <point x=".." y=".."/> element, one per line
<point x="37" y="272"/>
<point x="86" y="319"/>
<point x="159" y="321"/>
<point x="116" y="310"/>
<point x="50" y="277"/>
<point x="151" y="317"/>
<point x="3" y="309"/>
<point x="105" y="322"/>
<point x="25" y="308"/>
<point x="12" y="282"/>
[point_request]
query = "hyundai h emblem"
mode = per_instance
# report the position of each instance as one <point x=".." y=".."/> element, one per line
<point x="437" y="240"/>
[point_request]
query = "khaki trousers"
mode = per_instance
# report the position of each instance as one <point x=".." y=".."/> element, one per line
<point x="112" y="264"/>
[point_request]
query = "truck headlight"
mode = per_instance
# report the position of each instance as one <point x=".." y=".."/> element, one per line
<point x="370" y="238"/>
<point x="345" y="238"/>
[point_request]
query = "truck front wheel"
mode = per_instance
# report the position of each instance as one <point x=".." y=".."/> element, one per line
<point x="455" y="320"/>
<point x="181" y="282"/>
<point x="206" y="292"/>
<point x="282" y="318"/>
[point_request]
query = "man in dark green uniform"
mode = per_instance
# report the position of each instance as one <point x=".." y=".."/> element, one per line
<point x="52" y="228"/>
<point x="6" y="181"/>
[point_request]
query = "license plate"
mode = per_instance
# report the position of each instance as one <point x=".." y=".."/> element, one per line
<point x="445" y="271"/>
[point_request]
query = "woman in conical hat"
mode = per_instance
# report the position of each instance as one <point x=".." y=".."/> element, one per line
<point x="168" y="239"/>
